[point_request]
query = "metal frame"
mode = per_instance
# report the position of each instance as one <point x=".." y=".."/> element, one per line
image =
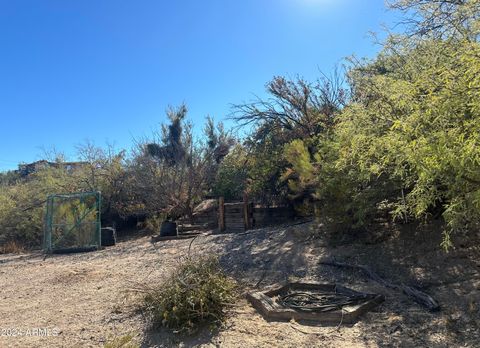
<point x="49" y="225"/>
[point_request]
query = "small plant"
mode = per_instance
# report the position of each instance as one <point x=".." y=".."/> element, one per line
<point x="126" y="341"/>
<point x="197" y="292"/>
<point x="152" y="224"/>
<point x="12" y="247"/>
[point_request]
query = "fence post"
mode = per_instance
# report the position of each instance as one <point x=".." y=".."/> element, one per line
<point x="221" y="214"/>
<point x="246" y="215"/>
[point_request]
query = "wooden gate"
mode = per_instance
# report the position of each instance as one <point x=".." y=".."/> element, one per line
<point x="234" y="217"/>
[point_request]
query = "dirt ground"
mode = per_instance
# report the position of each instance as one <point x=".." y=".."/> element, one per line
<point x="88" y="299"/>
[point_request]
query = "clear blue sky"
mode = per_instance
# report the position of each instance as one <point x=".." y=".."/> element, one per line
<point x="107" y="69"/>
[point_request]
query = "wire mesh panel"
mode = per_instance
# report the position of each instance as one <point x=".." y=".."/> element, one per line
<point x="72" y="222"/>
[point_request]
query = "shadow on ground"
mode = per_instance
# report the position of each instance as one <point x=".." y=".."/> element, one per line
<point x="408" y="254"/>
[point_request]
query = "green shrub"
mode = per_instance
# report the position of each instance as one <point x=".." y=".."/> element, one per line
<point x="196" y="293"/>
<point x="231" y="178"/>
<point x="22" y="206"/>
<point x="416" y="128"/>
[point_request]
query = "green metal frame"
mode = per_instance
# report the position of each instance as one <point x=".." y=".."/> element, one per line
<point x="51" y="210"/>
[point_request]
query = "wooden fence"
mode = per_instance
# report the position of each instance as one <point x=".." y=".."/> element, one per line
<point x="238" y="217"/>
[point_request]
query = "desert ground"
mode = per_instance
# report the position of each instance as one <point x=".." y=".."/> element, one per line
<point x="89" y="299"/>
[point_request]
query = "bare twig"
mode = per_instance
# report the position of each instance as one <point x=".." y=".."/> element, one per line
<point x="418" y="296"/>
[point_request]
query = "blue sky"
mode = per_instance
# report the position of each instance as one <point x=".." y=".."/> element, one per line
<point x="105" y="70"/>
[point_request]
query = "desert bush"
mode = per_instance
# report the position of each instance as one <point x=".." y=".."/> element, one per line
<point x="9" y="177"/>
<point x="230" y="181"/>
<point x="407" y="142"/>
<point x="172" y="172"/>
<point x="12" y="247"/>
<point x="196" y="293"/>
<point x="22" y="206"/>
<point x="417" y="127"/>
<point x="22" y="199"/>
<point x="153" y="223"/>
<point x="295" y="109"/>
<point x="104" y="170"/>
<point x="125" y="341"/>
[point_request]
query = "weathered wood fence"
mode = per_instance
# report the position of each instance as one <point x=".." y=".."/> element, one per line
<point x="238" y="217"/>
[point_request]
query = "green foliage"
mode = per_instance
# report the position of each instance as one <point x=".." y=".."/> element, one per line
<point x="296" y="109"/>
<point x="441" y="18"/>
<point x="22" y="203"/>
<point x="408" y="141"/>
<point x="317" y="185"/>
<point x="9" y="178"/>
<point x="231" y="178"/>
<point x="22" y="206"/>
<point x="264" y="166"/>
<point x="196" y="293"/>
<point x="303" y="169"/>
<point x="418" y="127"/>
<point x="402" y="141"/>
<point x="73" y="222"/>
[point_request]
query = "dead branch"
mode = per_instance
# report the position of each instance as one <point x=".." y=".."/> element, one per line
<point x="418" y="296"/>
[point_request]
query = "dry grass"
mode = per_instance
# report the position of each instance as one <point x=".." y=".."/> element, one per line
<point x="12" y="247"/>
<point x="126" y="341"/>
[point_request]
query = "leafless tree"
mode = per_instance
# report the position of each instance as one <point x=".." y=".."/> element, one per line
<point x="102" y="169"/>
<point x="295" y="106"/>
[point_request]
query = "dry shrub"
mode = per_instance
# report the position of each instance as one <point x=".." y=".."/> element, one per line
<point x="197" y="292"/>
<point x="12" y="247"/>
<point x="153" y="223"/>
<point x="126" y="341"/>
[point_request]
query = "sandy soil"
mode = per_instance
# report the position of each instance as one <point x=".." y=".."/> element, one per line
<point x="87" y="299"/>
